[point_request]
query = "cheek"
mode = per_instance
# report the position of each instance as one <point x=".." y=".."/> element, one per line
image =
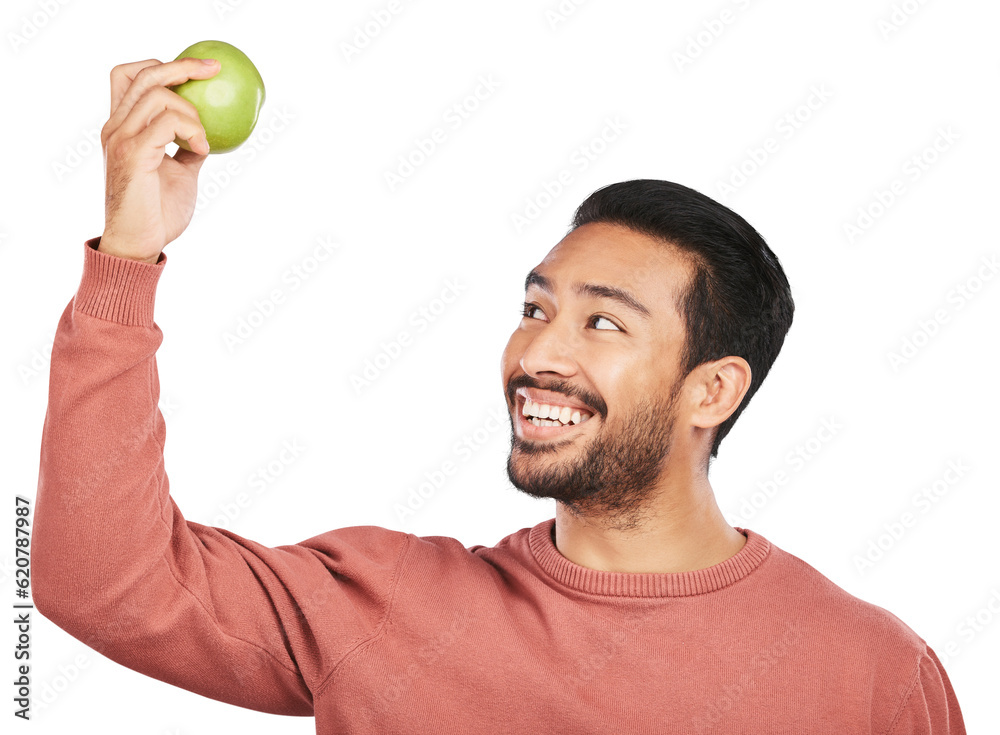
<point x="509" y="347"/>
<point x="620" y="372"/>
<point x="626" y="380"/>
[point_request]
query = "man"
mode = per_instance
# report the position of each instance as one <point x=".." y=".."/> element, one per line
<point x="646" y="331"/>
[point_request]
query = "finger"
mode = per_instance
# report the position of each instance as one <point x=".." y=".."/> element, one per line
<point x="122" y="76"/>
<point x="155" y="101"/>
<point x="168" y="125"/>
<point x="164" y="75"/>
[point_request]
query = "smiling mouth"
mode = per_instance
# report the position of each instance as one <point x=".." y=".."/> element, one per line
<point x="544" y="415"/>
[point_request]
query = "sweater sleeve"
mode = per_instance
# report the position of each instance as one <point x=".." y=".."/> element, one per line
<point x="116" y="565"/>
<point x="930" y="707"/>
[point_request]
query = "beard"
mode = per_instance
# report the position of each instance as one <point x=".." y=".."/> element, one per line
<point x="612" y="478"/>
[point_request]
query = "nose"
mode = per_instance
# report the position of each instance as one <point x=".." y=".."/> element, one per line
<point x="550" y="350"/>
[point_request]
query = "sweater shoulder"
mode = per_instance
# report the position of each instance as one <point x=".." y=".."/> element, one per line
<point x="876" y="651"/>
<point x="461" y="569"/>
<point x="452" y="551"/>
<point x="829" y="604"/>
<point x="380" y="544"/>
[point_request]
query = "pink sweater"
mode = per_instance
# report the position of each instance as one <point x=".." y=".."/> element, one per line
<point x="372" y="630"/>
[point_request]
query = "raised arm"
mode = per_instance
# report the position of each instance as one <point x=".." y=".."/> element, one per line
<point x="114" y="562"/>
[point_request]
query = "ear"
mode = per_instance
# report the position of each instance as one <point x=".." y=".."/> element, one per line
<point x="719" y="387"/>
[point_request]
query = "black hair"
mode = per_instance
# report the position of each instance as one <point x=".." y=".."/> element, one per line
<point x="737" y="302"/>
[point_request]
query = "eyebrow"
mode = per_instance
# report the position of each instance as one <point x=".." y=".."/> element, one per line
<point x="596" y="290"/>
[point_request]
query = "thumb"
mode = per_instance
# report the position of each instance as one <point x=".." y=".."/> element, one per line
<point x="190" y="159"/>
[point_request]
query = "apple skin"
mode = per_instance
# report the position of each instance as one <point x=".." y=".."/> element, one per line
<point x="228" y="103"/>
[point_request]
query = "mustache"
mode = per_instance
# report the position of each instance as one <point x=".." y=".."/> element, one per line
<point x="556" y="386"/>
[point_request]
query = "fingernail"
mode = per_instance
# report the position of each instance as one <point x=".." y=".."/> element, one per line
<point x="208" y="61"/>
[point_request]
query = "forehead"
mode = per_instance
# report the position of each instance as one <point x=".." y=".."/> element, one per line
<point x="655" y="272"/>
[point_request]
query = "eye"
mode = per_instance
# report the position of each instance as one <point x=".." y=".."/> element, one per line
<point x="528" y="309"/>
<point x="598" y="317"/>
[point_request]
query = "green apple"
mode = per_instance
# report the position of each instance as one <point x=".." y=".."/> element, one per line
<point x="228" y="103"/>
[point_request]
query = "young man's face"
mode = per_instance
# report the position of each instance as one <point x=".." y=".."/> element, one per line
<point x="578" y="348"/>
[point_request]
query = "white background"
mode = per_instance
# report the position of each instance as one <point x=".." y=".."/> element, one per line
<point x="893" y="77"/>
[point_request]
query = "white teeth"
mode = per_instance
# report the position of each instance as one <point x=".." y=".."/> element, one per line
<point x="543" y="422"/>
<point x="547" y="411"/>
<point x="543" y="414"/>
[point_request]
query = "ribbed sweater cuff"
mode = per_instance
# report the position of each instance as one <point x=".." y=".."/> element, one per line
<point x="117" y="289"/>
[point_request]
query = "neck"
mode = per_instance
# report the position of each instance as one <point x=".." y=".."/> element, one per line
<point x="682" y="531"/>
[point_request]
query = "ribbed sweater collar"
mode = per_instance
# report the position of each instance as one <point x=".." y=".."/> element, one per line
<point x="626" y="584"/>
